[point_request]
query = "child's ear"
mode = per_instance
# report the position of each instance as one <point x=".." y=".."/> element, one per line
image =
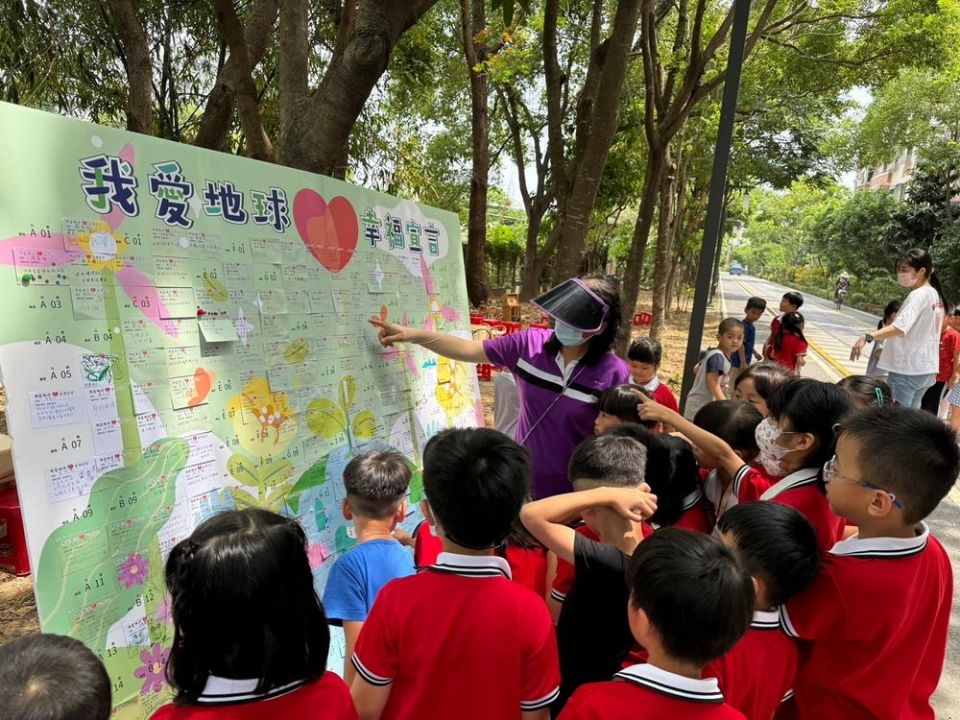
<point x="401" y="512"/>
<point x="639" y="622"/>
<point x="346" y="509"/>
<point x="880" y="505"/>
<point x="428" y="513"/>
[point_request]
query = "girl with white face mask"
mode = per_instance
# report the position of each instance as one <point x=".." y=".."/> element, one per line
<point x="911" y="351"/>
<point x="795" y="441"/>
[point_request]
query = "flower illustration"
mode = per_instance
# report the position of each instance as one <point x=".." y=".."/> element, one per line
<point x="133" y="571"/>
<point x="316" y="554"/>
<point x="164" y="611"/>
<point x="263" y="420"/>
<point x="151" y="672"/>
<point x="102" y="248"/>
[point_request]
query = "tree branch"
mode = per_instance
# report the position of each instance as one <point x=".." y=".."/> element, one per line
<point x="139" y="69"/>
<point x="294" y="52"/>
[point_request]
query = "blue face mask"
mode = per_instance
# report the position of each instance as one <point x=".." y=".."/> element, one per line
<point x="568" y="336"/>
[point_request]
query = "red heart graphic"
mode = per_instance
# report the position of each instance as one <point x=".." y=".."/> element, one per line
<point x="329" y="230"/>
<point x="69" y="467"/>
<point x="55" y="393"/>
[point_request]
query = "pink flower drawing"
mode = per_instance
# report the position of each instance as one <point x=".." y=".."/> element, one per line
<point x="164" y="611"/>
<point x="100" y="249"/>
<point x="133" y="571"/>
<point x="316" y="554"/>
<point x="151" y="672"/>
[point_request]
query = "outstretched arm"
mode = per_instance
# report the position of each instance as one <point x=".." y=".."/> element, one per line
<point x="450" y="346"/>
<point x="547" y="519"/>
<point x="709" y="443"/>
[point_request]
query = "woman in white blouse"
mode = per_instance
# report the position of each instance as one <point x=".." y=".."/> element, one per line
<point x="911" y="351"/>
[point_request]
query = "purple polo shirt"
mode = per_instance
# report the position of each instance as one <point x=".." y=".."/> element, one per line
<point x="555" y="415"/>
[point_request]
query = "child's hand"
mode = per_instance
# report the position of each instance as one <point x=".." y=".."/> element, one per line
<point x="635" y="504"/>
<point x="389" y="333"/>
<point x="649" y="409"/>
<point x="403" y="537"/>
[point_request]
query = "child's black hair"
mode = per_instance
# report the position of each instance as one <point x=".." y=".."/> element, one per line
<point x="892" y="307"/>
<point x="52" y="677"/>
<point x="794" y="298"/>
<point x="670" y="471"/>
<point x="776" y="544"/>
<point x="646" y="350"/>
<point x="696" y="594"/>
<point x="733" y="421"/>
<point x="814" y="407"/>
<point x="791" y="322"/>
<point x="614" y="458"/>
<point x="755" y="302"/>
<point x="909" y="452"/>
<point x="376" y="482"/>
<point x="867" y="391"/>
<point x="621" y="401"/>
<point x="607" y="287"/>
<point x="766" y="376"/>
<point x="475" y="480"/>
<point x="728" y="324"/>
<point x="244" y="604"/>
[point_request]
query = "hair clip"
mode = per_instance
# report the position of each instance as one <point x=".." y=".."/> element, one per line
<point x="879" y="393"/>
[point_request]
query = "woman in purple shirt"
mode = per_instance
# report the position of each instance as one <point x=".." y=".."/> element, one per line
<point x="560" y="373"/>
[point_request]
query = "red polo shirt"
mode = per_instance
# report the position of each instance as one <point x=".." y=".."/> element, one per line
<point x="663" y="394"/>
<point x="750" y="484"/>
<point x="326" y="697"/>
<point x="645" y="691"/>
<point x="878" y="617"/>
<point x="801" y="491"/>
<point x="460" y="640"/>
<point x="758" y="673"/>
<point x="949" y="344"/>
<point x="696" y="513"/>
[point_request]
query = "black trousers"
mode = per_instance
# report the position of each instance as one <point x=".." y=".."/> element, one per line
<point x="931" y="398"/>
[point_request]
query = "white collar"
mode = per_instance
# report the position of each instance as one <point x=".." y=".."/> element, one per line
<point x="653" y="384"/>
<point x="692" y="499"/>
<point x="218" y="690"/>
<point x="668" y="683"/>
<point x="472" y="565"/>
<point x="883" y="546"/>
<point x="565" y="367"/>
<point x="765" y="619"/>
<point x="793" y="480"/>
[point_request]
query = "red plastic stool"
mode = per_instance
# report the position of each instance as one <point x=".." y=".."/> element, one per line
<point x="642" y="319"/>
<point x="13" y="543"/>
<point x="484" y="371"/>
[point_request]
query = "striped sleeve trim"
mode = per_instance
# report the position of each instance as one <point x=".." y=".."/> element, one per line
<point x="367" y="675"/>
<point x="786" y="624"/>
<point x="529" y="705"/>
<point x="738" y="479"/>
<point x="788" y="695"/>
<point x="558" y="596"/>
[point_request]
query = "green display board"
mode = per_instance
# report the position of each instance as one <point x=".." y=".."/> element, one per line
<point x="186" y="331"/>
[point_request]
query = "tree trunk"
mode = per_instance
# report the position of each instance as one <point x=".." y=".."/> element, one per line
<point x="218" y="112"/>
<point x="473" y="20"/>
<point x="638" y="245"/>
<point x="603" y="127"/>
<point x="137" y="62"/>
<point x="664" y="247"/>
<point x="533" y="263"/>
<point x="318" y="136"/>
<point x="294" y="54"/>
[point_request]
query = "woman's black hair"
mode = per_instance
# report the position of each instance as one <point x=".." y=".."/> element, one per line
<point x="871" y="391"/>
<point x="621" y="401"/>
<point x="733" y="421"/>
<point x="919" y="259"/>
<point x="892" y="307"/>
<point x="791" y="322"/>
<point x="766" y="376"/>
<point x="244" y="604"/>
<point x="607" y="287"/>
<point x="811" y="406"/>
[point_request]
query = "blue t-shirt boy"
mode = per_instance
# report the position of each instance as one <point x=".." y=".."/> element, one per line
<point x="749" y="340"/>
<point x="357" y="576"/>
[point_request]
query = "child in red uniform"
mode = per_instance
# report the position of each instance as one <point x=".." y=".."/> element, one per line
<point x="779" y="549"/>
<point x="618" y="405"/>
<point x="645" y="356"/>
<point x="592" y="634"/>
<point x="879" y="613"/>
<point x="52" y="677"/>
<point x="250" y="636"/>
<point x="788" y="347"/>
<point x="690" y="601"/>
<point x="459" y="639"/>
<point x="795" y="441"/>
<point x="791" y="302"/>
<point x="757" y="382"/>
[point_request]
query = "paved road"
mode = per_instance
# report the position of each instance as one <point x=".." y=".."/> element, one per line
<point x="831" y="333"/>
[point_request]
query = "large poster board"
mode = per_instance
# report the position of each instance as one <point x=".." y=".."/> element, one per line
<point x="185" y="331"/>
